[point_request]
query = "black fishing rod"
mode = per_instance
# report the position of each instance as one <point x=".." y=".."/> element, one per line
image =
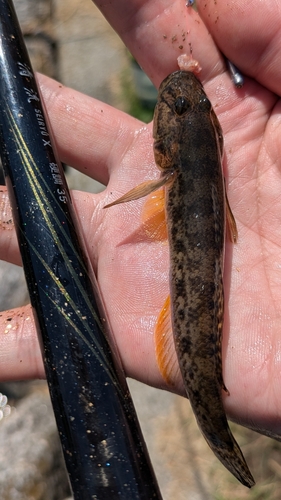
<point x="104" y="450"/>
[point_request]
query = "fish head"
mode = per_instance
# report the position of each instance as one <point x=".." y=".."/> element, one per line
<point x="179" y="95"/>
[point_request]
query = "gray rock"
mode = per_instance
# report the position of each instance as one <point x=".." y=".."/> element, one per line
<point x="31" y="462"/>
<point x="32" y="14"/>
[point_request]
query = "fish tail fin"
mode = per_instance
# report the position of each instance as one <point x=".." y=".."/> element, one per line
<point x="213" y="424"/>
<point x="232" y="458"/>
<point x="209" y="411"/>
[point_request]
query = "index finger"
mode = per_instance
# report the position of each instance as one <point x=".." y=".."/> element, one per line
<point x="249" y="34"/>
<point x="157" y="32"/>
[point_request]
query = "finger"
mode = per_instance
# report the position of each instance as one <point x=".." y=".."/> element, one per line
<point x="9" y="250"/>
<point x="90" y="135"/>
<point x="85" y="204"/>
<point x="157" y="32"/>
<point x="249" y="34"/>
<point x="20" y="355"/>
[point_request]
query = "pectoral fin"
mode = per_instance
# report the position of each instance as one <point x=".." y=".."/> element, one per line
<point x="142" y="190"/>
<point x="164" y="344"/>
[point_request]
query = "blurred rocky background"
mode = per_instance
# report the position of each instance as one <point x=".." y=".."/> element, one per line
<point x="71" y="41"/>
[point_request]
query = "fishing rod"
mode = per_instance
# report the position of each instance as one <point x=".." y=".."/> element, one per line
<point x="104" y="450"/>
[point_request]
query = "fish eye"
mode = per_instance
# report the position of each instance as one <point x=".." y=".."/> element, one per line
<point x="181" y="105"/>
<point x="205" y="104"/>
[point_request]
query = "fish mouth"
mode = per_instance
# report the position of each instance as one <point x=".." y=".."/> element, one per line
<point x="181" y="82"/>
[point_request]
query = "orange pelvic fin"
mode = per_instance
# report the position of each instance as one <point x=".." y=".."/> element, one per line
<point x="140" y="191"/>
<point x="154" y="217"/>
<point x="164" y="344"/>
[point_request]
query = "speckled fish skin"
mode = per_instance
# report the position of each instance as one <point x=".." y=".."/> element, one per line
<point x="188" y="143"/>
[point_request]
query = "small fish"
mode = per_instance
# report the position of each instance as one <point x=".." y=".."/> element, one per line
<point x="188" y="150"/>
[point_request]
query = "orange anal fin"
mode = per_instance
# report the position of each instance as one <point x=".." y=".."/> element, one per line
<point x="164" y="345"/>
<point x="154" y="217"/>
<point x="140" y="191"/>
<point x="230" y="222"/>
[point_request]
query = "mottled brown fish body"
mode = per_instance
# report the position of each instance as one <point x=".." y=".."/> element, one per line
<point x="188" y="144"/>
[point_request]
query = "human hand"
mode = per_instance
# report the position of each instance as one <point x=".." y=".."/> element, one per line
<point x="117" y="149"/>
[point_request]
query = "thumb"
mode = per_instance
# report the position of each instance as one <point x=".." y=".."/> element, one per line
<point x="249" y="34"/>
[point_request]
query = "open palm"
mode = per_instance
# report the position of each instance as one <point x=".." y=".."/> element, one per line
<point x="117" y="150"/>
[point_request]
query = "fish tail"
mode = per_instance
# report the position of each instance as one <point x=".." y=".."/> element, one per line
<point x="232" y="458"/>
<point x="217" y="433"/>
